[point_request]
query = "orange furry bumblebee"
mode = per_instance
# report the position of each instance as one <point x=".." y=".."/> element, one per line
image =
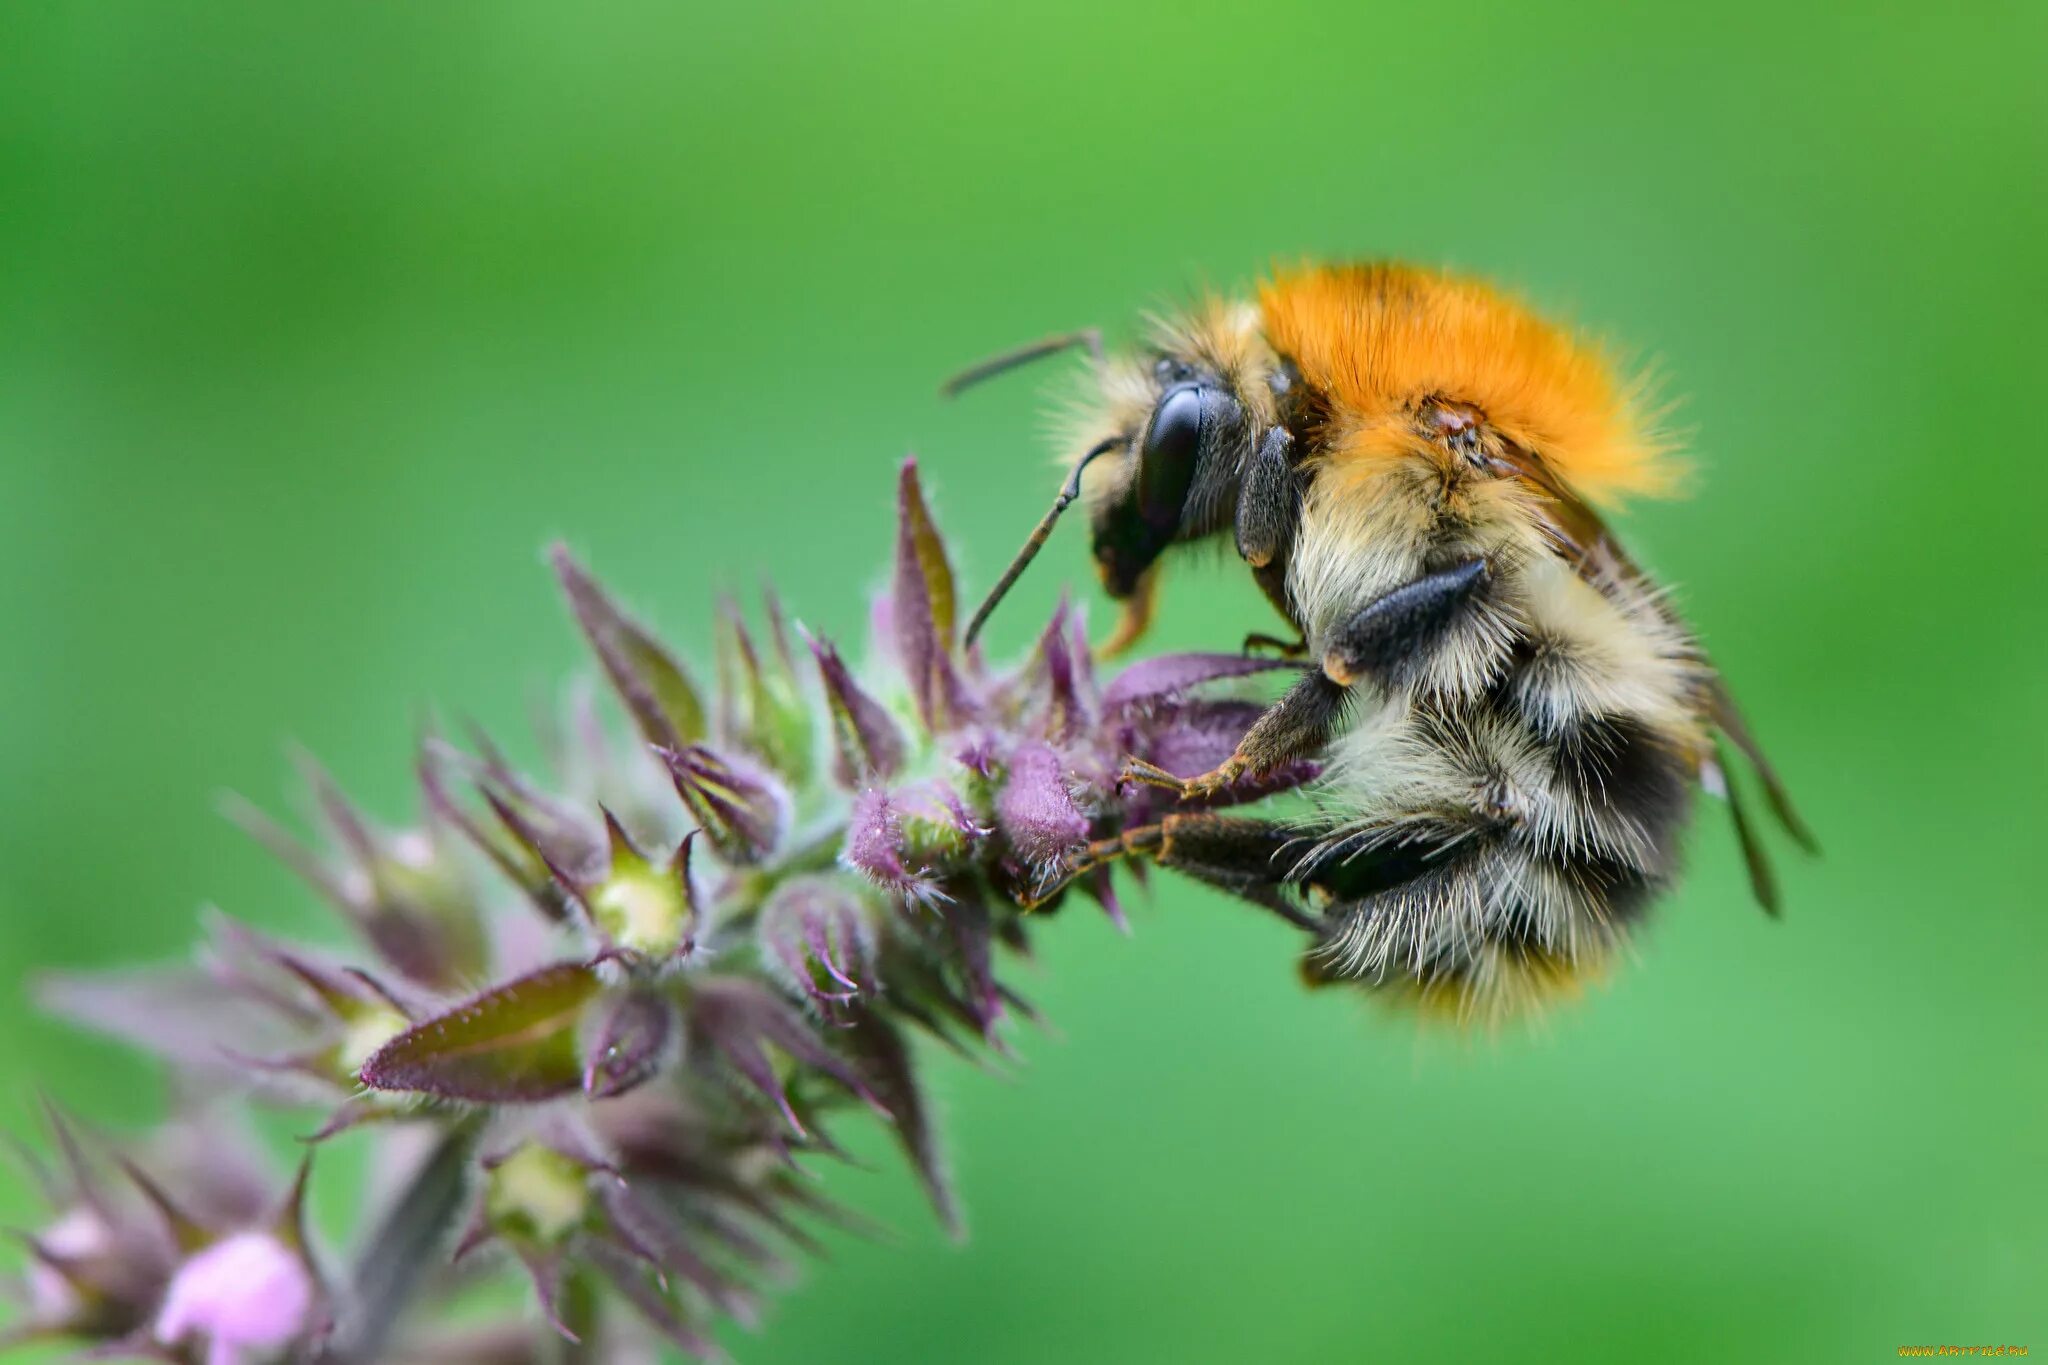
<point x="1510" y="716"/>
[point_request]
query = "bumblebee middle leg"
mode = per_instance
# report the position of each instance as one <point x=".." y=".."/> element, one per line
<point x="1381" y="641"/>
<point x="1294" y="727"/>
<point x="1384" y="640"/>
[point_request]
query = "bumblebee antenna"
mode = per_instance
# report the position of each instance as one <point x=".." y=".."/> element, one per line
<point x="1090" y="337"/>
<point x="1068" y="493"/>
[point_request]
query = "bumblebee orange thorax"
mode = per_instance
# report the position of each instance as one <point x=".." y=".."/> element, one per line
<point x="1384" y="344"/>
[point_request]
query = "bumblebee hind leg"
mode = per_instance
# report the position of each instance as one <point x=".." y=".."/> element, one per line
<point x="1268" y="863"/>
<point x="1381" y="916"/>
<point x="1242" y="856"/>
<point x="1245" y="857"/>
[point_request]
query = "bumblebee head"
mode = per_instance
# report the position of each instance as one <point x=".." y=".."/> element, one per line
<point x="1171" y="479"/>
<point x="1167" y="444"/>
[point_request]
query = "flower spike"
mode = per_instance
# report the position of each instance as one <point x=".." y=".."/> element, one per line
<point x="745" y="916"/>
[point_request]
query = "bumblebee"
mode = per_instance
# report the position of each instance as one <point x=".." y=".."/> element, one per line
<point x="1511" y="718"/>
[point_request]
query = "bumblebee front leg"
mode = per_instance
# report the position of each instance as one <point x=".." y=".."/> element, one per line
<point x="1268" y="502"/>
<point x="1268" y="511"/>
<point x="1259" y="641"/>
<point x="1381" y="642"/>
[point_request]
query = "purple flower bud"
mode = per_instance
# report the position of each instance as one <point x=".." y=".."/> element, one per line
<point x="886" y="1067"/>
<point x="760" y="709"/>
<point x="405" y="895"/>
<point x="742" y="809"/>
<point x="92" y="1272"/>
<point x="663" y="701"/>
<point x="921" y="605"/>
<point x="536" y="1194"/>
<point x="629" y="1043"/>
<point x="1188" y="738"/>
<point x="876" y="848"/>
<point x="982" y="755"/>
<point x="936" y="821"/>
<point x="642" y="907"/>
<point x="817" y="937"/>
<point x="244" y="1295"/>
<point x="737" y="1020"/>
<point x="512" y="856"/>
<point x="1036" y="811"/>
<point x="867" y="742"/>
<point x="1057" y="680"/>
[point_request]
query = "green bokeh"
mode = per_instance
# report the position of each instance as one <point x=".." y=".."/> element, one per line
<point x="316" y="324"/>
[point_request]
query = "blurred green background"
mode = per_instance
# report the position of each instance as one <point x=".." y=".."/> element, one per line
<point x="316" y="324"/>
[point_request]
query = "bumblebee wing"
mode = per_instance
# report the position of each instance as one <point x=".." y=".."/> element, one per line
<point x="1763" y="883"/>
<point x="1734" y="730"/>
<point x="1727" y="718"/>
<point x="1583" y="538"/>
<point x="1576" y="530"/>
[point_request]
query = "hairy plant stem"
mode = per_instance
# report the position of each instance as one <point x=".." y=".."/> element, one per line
<point x="400" y="1258"/>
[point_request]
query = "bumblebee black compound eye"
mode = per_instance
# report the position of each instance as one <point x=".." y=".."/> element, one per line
<point x="1192" y="423"/>
<point x="1166" y="459"/>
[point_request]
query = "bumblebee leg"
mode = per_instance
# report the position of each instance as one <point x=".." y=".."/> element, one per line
<point x="1402" y="624"/>
<point x="1283" y="649"/>
<point x="1241" y="856"/>
<point x="1374" y="643"/>
<point x="1293" y="727"/>
<point x="1268" y="503"/>
<point x="1127" y="844"/>
<point x="1247" y="858"/>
